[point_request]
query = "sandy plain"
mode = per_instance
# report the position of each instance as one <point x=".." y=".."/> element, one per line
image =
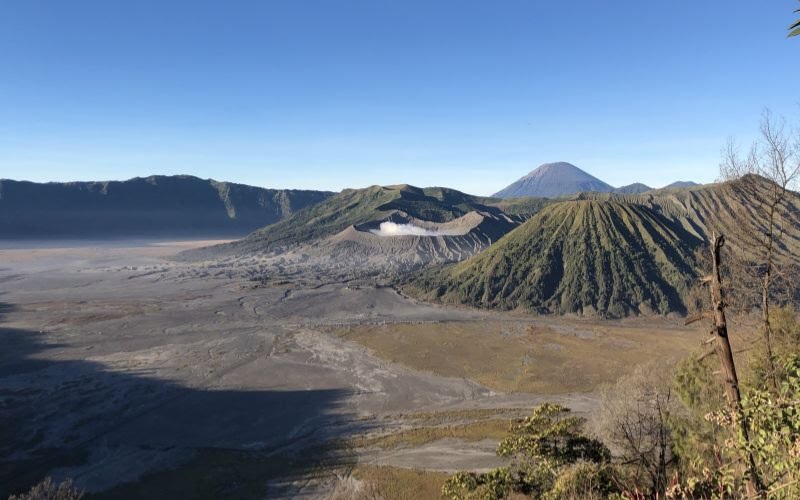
<point x="141" y="376"/>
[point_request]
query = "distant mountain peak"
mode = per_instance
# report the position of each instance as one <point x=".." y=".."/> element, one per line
<point x="681" y="184"/>
<point x="635" y="188"/>
<point x="553" y="180"/>
<point x="554" y="166"/>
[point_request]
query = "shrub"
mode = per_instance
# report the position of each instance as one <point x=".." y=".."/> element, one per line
<point x="48" y="490"/>
<point x="540" y="449"/>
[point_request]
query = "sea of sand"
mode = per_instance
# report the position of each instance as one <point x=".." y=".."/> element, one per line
<point x="119" y="361"/>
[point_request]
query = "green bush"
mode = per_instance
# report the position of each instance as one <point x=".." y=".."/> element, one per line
<point x="541" y="449"/>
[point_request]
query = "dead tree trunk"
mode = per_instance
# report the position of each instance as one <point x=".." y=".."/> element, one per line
<point x="722" y="346"/>
<point x="766" y="284"/>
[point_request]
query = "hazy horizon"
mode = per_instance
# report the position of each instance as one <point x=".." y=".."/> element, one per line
<point x="333" y="190"/>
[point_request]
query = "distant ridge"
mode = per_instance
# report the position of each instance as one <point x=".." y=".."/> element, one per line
<point x="155" y="206"/>
<point x="379" y="231"/>
<point x="354" y="207"/>
<point x="635" y="188"/>
<point x="553" y="180"/>
<point x="681" y="185"/>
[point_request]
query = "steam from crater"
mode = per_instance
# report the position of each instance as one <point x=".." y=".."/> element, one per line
<point x="394" y="229"/>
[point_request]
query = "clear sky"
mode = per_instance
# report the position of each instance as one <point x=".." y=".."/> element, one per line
<point x="330" y="94"/>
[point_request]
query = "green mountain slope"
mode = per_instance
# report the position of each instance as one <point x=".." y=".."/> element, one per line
<point x="704" y="209"/>
<point x="358" y="206"/>
<point x="152" y="206"/>
<point x="580" y="256"/>
<point x="524" y="207"/>
<point x="616" y="254"/>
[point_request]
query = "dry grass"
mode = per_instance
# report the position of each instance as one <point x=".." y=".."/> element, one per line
<point x="65" y="314"/>
<point x="451" y="416"/>
<point x="392" y="483"/>
<point x="474" y="431"/>
<point x="554" y="357"/>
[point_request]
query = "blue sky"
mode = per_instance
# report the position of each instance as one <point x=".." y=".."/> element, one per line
<point x="330" y="94"/>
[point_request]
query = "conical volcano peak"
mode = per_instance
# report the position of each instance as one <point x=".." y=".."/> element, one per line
<point x="552" y="180"/>
<point x="558" y="167"/>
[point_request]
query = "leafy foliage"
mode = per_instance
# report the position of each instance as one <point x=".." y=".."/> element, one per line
<point x="697" y="442"/>
<point x="776" y="419"/>
<point x="708" y="440"/>
<point x="775" y="422"/>
<point x="542" y="449"/>
<point x="490" y="485"/>
<point x="587" y="481"/>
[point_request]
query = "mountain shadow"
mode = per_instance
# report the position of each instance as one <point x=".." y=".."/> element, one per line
<point x="155" y="206"/>
<point x="123" y="435"/>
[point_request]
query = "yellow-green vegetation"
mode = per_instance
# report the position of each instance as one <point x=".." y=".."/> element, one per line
<point x="706" y="453"/>
<point x="607" y="255"/>
<point x="550" y="457"/>
<point x="449" y="416"/>
<point x="697" y="451"/>
<point x="516" y="356"/>
<point x="392" y="483"/>
<point x="474" y="431"/>
<point x="691" y="448"/>
<point x="578" y="256"/>
<point x="707" y="437"/>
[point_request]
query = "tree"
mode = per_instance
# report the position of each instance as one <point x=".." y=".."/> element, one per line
<point x="698" y="444"/>
<point x="709" y="442"/>
<point x="634" y="421"/>
<point x="774" y="418"/>
<point x="722" y="347"/>
<point x="764" y="180"/>
<point x="543" y="450"/>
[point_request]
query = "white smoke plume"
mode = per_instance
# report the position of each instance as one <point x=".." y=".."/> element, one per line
<point x="394" y="229"/>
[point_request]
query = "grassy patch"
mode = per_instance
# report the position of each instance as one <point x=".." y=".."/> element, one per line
<point x="474" y="431"/>
<point x="515" y="356"/>
<point x="450" y="416"/>
<point x="392" y="483"/>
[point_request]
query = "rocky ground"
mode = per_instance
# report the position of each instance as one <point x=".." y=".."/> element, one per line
<point x="137" y="375"/>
